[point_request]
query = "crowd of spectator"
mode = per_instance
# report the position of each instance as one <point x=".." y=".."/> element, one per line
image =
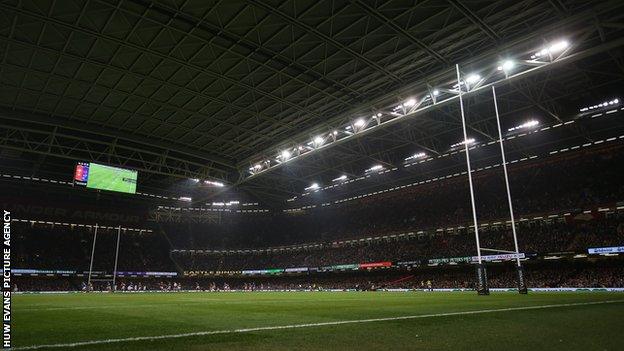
<point x="69" y="248"/>
<point x="63" y="248"/>
<point x="571" y="184"/>
<point x="538" y="237"/>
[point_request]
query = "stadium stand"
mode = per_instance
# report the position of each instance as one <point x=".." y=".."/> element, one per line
<point x="399" y="226"/>
<point x="585" y="180"/>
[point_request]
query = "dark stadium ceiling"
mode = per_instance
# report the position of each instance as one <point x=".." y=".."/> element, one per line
<point x="203" y="89"/>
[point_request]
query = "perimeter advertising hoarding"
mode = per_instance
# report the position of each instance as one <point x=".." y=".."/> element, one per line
<point x="503" y="257"/>
<point x="28" y="271"/>
<point x="296" y="270"/>
<point x="605" y="250"/>
<point x="339" y="267"/>
<point x="263" y="271"/>
<point x="375" y="265"/>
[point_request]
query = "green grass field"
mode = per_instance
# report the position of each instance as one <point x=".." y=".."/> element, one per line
<point x="436" y="321"/>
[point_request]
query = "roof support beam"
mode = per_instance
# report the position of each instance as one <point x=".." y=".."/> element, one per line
<point x="388" y="22"/>
<point x="150" y="144"/>
<point x="485" y="28"/>
<point x="326" y="38"/>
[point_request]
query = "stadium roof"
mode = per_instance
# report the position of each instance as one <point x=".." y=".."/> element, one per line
<point x="207" y="89"/>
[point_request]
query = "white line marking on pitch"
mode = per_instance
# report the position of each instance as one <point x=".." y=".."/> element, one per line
<point x="306" y="325"/>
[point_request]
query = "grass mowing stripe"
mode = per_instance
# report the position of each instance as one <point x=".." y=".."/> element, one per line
<point x="188" y="301"/>
<point x="308" y="325"/>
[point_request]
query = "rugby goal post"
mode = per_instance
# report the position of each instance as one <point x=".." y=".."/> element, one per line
<point x="481" y="273"/>
<point x="113" y="280"/>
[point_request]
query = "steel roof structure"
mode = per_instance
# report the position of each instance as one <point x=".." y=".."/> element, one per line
<point x="207" y="89"/>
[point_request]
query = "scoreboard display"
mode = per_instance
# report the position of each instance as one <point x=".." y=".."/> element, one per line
<point x="81" y="174"/>
<point x="102" y="177"/>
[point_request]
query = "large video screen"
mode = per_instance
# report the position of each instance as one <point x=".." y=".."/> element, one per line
<point x="97" y="176"/>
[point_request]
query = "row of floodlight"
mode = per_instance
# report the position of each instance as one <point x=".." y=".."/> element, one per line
<point x="229" y="203"/>
<point x="344" y="177"/>
<point x="604" y="104"/>
<point x="526" y="125"/>
<point x="360" y="124"/>
<point x="468" y="141"/>
<point x="597" y="142"/>
<point x="552" y="49"/>
<point x="420" y="155"/>
<point x="209" y="182"/>
<point x="219" y="203"/>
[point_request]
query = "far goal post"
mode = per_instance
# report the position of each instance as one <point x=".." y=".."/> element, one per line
<point x="114" y="276"/>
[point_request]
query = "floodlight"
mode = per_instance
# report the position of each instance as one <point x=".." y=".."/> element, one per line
<point x="313" y="186"/>
<point x="559" y="46"/>
<point x="554" y="48"/>
<point x="375" y="168"/>
<point x="473" y="78"/>
<point x="339" y="179"/>
<point x="415" y="156"/>
<point x="507" y="66"/>
<point x="529" y="124"/>
<point x="218" y="184"/>
<point x="467" y="141"/>
<point x="359" y="123"/>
